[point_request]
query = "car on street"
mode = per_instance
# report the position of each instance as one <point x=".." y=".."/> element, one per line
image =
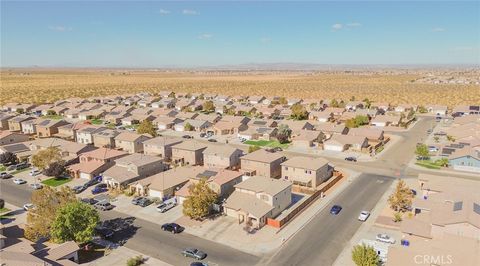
<point x="91" y="182"/>
<point x="363" y="216"/>
<point x="163" y="207"/>
<point x="79" y="189"/>
<point x="19" y="181"/>
<point x="351" y="159"/>
<point x="187" y="137"/>
<point x="172" y="227"/>
<point x="144" y="202"/>
<point x="335" y="209"/>
<point x="277" y="149"/>
<point x="21" y="166"/>
<point x="5" y="175"/>
<point x="35" y="172"/>
<point x="90" y="201"/>
<point x="36" y="186"/>
<point x="28" y="206"/>
<point x="136" y="200"/>
<point x="103" y="205"/>
<point x="104" y="232"/>
<point x="194" y="253"/>
<point x="100" y="188"/>
<point x="212" y="140"/>
<point x="385" y="238"/>
<point x="198" y="263"/>
<point x="203" y="135"/>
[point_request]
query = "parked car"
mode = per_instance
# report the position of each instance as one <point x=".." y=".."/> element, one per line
<point x="36" y="186"/>
<point x="90" y="201"/>
<point x="335" y="209"/>
<point x="385" y="238"/>
<point x="136" y="200"/>
<point x="363" y="216"/>
<point x="203" y="135"/>
<point x="144" y="202"/>
<point x="12" y="168"/>
<point x="100" y="188"/>
<point x="5" y="175"/>
<point x="103" y="205"/>
<point x="187" y="137"/>
<point x="21" y="166"/>
<point x="277" y="149"/>
<point x="79" y="189"/>
<point x="212" y="140"/>
<point x="104" y="232"/>
<point x="19" y="181"/>
<point x="198" y="263"/>
<point x="172" y="227"/>
<point x="166" y="206"/>
<point x="35" y="172"/>
<point x="351" y="159"/>
<point x="194" y="253"/>
<point x="28" y="206"/>
<point x="91" y="182"/>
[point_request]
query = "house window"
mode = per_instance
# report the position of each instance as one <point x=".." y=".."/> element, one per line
<point x="286" y="168"/>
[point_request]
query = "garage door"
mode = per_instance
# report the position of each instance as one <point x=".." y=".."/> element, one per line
<point x="155" y="194"/>
<point x="85" y="176"/>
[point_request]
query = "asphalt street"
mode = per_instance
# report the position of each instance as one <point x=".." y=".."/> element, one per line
<point x="148" y="238"/>
<point x="322" y="240"/>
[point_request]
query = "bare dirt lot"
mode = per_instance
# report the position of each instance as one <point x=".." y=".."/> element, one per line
<point x="41" y="85"/>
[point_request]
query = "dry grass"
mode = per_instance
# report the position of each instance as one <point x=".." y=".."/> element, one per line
<point x="47" y="86"/>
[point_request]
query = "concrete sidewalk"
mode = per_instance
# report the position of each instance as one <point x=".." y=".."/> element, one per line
<point x="120" y="256"/>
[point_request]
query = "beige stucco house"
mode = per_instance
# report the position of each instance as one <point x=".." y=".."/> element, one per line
<point x="262" y="163"/>
<point x="306" y="171"/>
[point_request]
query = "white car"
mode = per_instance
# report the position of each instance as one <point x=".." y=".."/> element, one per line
<point x="36" y="186"/>
<point x="363" y="216"/>
<point x="28" y="206"/>
<point x="19" y="181"/>
<point x="385" y="238"/>
<point x="163" y="207"/>
<point x="35" y="172"/>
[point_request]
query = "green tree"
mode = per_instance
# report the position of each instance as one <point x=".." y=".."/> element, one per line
<point x="188" y="127"/>
<point x="284" y="133"/>
<point x="208" y="106"/>
<point x="75" y="221"/>
<point x="51" y="112"/>
<point x="282" y="100"/>
<point x="443" y="162"/>
<point x="401" y="199"/>
<point x="299" y="112"/>
<point x="20" y="111"/>
<point x="422" y="151"/>
<point x="253" y="148"/>
<point x="43" y="158"/>
<point x="436" y="139"/>
<point x="198" y="203"/>
<point x="334" y="103"/>
<point x="46" y="201"/>
<point x="359" y="120"/>
<point x="367" y="102"/>
<point x="8" y="158"/>
<point x="135" y="261"/>
<point x="55" y="169"/>
<point x="146" y="127"/>
<point x="450" y="138"/>
<point x="363" y="255"/>
<point x="422" y="109"/>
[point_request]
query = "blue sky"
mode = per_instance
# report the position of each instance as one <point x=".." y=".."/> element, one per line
<point x="149" y="34"/>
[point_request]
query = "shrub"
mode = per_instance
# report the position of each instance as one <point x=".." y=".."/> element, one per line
<point x="135" y="261"/>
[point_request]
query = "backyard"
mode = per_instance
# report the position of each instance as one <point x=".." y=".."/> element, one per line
<point x="267" y="143"/>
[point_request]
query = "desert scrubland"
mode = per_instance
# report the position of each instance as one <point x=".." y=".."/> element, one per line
<point x="38" y="86"/>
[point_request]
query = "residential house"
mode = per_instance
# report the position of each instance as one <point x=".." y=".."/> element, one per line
<point x="160" y="146"/>
<point x="466" y="159"/>
<point x="49" y="127"/>
<point x="262" y="163"/>
<point x="186" y="115"/>
<point x="70" y="151"/>
<point x="466" y="110"/>
<point x="29" y="127"/>
<point x="401" y="108"/>
<point x="321" y="116"/>
<point x="196" y="125"/>
<point x="131" y="142"/>
<point x="255" y="99"/>
<point x="374" y="136"/>
<point x="438" y="110"/>
<point x="15" y="123"/>
<point x="297" y="126"/>
<point x="258" y="198"/>
<point x="164" y="112"/>
<point x="307" y="172"/>
<point x="94" y="162"/>
<point x="69" y="131"/>
<point x="308" y="138"/>
<point x="168" y="103"/>
<point x="212" y="118"/>
<point x="258" y="133"/>
<point x="386" y="120"/>
<point x="85" y="134"/>
<point x="132" y="168"/>
<point x="354" y="105"/>
<point x="188" y="152"/>
<point x="343" y="142"/>
<point x="267" y="112"/>
<point x="4" y="117"/>
<point x="165" y="122"/>
<point x="165" y="184"/>
<point x="8" y="137"/>
<point x="105" y="138"/>
<point x="328" y="129"/>
<point x="228" y="127"/>
<point x="222" y="156"/>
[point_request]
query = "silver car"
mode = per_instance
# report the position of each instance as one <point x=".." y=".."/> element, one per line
<point x="385" y="238"/>
<point x="166" y="206"/>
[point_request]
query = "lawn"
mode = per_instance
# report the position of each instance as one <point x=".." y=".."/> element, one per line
<point x="428" y="164"/>
<point x="55" y="182"/>
<point x="2" y="168"/>
<point x="96" y="121"/>
<point x="2" y="210"/>
<point x="267" y="143"/>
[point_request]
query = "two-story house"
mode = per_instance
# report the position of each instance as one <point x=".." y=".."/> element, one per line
<point x="222" y="156"/>
<point x="188" y="152"/>
<point x="258" y="198"/>
<point x="307" y="172"/>
<point x="160" y="146"/>
<point x="94" y="162"/>
<point x="131" y="142"/>
<point x="8" y="137"/>
<point x="85" y="135"/>
<point x="262" y="163"/>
